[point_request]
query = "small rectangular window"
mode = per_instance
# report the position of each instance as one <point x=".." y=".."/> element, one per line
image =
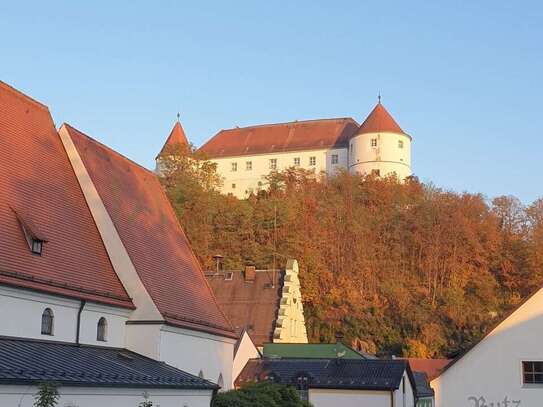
<point x="400" y="143"/>
<point x="228" y="276"/>
<point x="312" y="160"/>
<point x="37" y="246"/>
<point x="334" y="159"/>
<point x="374" y="142"/>
<point x="234" y="167"/>
<point x="532" y="372"/>
<point x="248" y="165"/>
<point x="296" y="161"/>
<point x="233" y="186"/>
<point x="273" y="163"/>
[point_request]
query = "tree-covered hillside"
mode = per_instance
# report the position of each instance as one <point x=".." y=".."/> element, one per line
<point x="405" y="269"/>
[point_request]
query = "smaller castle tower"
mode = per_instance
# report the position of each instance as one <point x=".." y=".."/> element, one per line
<point x="380" y="146"/>
<point x="175" y="144"/>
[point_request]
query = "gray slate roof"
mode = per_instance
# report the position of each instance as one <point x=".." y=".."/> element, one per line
<point x="27" y="361"/>
<point x="422" y="385"/>
<point x="363" y="374"/>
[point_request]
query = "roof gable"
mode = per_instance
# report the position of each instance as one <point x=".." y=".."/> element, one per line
<point x="281" y="137"/>
<point x="39" y="189"/>
<point x="153" y="238"/>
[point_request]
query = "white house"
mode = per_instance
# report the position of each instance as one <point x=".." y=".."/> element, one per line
<point x="245" y="156"/>
<point x="504" y="369"/>
<point x="92" y="255"/>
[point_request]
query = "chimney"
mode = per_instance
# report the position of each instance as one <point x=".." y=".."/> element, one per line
<point x="250" y="274"/>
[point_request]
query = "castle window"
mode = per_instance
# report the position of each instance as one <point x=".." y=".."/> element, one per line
<point x="312" y="160"/>
<point x="273" y="163"/>
<point x="234" y="167"/>
<point x="101" y="331"/>
<point x="47" y="319"/>
<point x="248" y="165"/>
<point x="233" y="186"/>
<point x="334" y="159"/>
<point x="400" y="143"/>
<point x="296" y="161"/>
<point x="532" y="372"/>
<point x="374" y="142"/>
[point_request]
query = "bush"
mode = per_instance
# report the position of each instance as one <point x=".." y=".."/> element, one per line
<point x="264" y="394"/>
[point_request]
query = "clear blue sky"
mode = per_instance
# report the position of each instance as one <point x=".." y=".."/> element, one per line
<point x="464" y="79"/>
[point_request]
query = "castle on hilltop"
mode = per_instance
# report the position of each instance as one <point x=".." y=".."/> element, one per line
<point x="245" y="156"/>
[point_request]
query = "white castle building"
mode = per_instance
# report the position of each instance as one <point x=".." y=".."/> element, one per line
<point x="245" y="156"/>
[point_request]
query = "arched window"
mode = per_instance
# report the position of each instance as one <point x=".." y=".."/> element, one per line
<point x="220" y="381"/>
<point x="47" y="319"/>
<point x="101" y="332"/>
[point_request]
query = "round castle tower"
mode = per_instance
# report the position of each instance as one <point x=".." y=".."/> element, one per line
<point x="380" y="146"/>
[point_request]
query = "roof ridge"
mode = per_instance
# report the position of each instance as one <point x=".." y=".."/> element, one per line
<point x="109" y="149"/>
<point x="290" y="122"/>
<point x="22" y="95"/>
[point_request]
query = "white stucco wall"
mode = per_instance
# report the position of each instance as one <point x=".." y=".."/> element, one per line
<point x="193" y="351"/>
<point x="493" y="368"/>
<point x="21" y="312"/>
<point x="246" y="180"/>
<point x="349" y="398"/>
<point x="246" y="350"/>
<point x="387" y="156"/>
<point x="406" y="399"/>
<point x="23" y="396"/>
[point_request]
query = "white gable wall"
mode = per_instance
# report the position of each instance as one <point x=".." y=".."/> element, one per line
<point x="21" y="312"/>
<point x="246" y="350"/>
<point x="194" y="351"/>
<point x="493" y="368"/>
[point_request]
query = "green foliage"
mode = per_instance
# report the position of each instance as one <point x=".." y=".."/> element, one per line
<point x="47" y="395"/>
<point x="400" y="268"/>
<point x="262" y="394"/>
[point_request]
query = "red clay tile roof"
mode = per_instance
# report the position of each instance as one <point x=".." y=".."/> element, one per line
<point x="252" y="306"/>
<point x="176" y="138"/>
<point x="432" y="367"/>
<point x="155" y="242"/>
<point x="379" y="121"/>
<point x="39" y="188"/>
<point x="282" y="137"/>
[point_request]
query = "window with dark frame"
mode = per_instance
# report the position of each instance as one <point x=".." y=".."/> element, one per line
<point x="312" y="160"/>
<point x="248" y="165"/>
<point x="101" y="331"/>
<point x="37" y="246"/>
<point x="400" y="143"/>
<point x="374" y="142"/>
<point x="47" y="319"/>
<point x="335" y="159"/>
<point x="302" y="386"/>
<point x="228" y="276"/>
<point x="296" y="161"/>
<point x="532" y="372"/>
<point x="273" y="163"/>
<point x="234" y="167"/>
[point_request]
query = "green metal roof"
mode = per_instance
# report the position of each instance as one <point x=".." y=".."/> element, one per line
<point x="311" y="351"/>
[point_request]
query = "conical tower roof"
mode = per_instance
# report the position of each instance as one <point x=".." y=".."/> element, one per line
<point x="176" y="138"/>
<point x="379" y="121"/>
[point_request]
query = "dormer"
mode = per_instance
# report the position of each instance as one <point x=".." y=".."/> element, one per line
<point x="33" y="237"/>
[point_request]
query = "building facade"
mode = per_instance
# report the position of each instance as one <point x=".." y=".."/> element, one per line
<point x="246" y="156"/>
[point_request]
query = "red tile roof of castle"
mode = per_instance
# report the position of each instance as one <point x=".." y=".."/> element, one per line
<point x="281" y="137"/>
<point x="39" y="189"/>
<point x="379" y="121"/>
<point x="153" y="237"/>
<point x="176" y="139"/>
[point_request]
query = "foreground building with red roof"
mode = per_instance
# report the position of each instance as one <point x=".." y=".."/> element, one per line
<point x="245" y="156"/>
<point x="95" y="269"/>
